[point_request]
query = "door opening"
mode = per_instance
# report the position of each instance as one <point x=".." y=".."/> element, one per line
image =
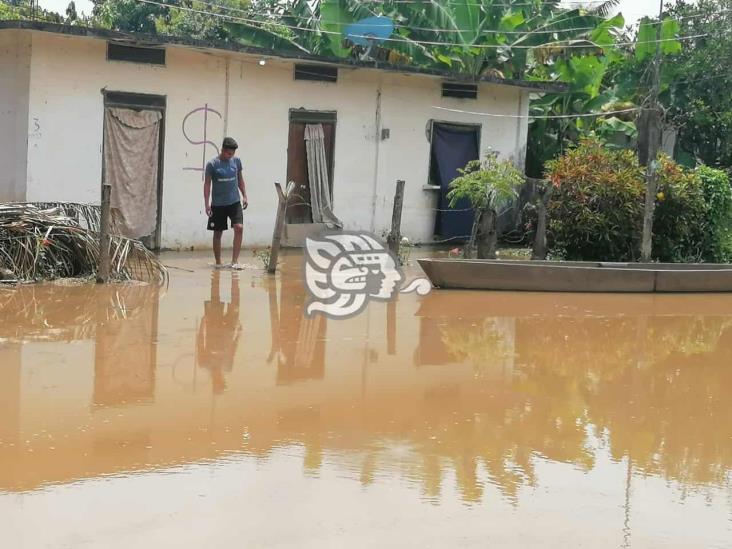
<point x="300" y="208"/>
<point x="132" y="163"/>
<point x="452" y="147"/>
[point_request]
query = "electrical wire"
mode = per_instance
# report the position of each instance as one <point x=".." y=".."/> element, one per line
<point x="420" y="42"/>
<point x="454" y="30"/>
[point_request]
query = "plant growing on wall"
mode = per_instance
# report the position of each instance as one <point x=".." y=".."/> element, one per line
<point x="490" y="186"/>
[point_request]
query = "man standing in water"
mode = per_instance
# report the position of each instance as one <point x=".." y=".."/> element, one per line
<point x="221" y="188"/>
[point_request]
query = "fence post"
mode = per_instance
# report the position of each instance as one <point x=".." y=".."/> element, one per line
<point x="539" y="249"/>
<point x="103" y="268"/>
<point x="279" y="226"/>
<point x="395" y="237"/>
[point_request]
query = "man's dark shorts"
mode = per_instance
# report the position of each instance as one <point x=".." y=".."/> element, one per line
<point x="221" y="214"/>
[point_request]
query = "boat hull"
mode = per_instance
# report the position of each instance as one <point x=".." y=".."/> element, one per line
<point x="591" y="277"/>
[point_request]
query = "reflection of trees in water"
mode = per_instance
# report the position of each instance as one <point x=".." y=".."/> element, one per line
<point x="558" y="388"/>
<point x="656" y="387"/>
<point x="673" y="414"/>
<point x="483" y="345"/>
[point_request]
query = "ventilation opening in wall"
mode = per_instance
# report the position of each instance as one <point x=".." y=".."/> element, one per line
<point x="317" y="73"/>
<point x="459" y="90"/>
<point x="135" y="54"/>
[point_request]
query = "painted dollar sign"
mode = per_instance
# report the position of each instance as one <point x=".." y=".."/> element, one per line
<point x="203" y="142"/>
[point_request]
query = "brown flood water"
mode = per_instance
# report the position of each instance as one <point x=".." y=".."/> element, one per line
<point x="212" y="414"/>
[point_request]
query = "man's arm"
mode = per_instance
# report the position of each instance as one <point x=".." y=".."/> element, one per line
<point x="207" y="194"/>
<point x="243" y="190"/>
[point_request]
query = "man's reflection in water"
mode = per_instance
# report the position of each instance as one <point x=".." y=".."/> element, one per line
<point x="218" y="334"/>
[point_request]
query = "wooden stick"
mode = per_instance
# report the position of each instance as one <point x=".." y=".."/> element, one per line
<point x="278" y="228"/>
<point x="539" y="250"/>
<point x="395" y="236"/>
<point x="104" y="267"/>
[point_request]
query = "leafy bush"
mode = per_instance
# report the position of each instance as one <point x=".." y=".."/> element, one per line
<point x="693" y="218"/>
<point x="718" y="195"/>
<point x="596" y="210"/>
<point x="488" y="185"/>
<point x="680" y="221"/>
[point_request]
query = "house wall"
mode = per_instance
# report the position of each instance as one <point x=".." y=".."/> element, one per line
<point x="15" y="55"/>
<point x="250" y="102"/>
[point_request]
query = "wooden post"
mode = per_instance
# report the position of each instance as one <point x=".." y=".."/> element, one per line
<point x="104" y="260"/>
<point x="539" y="250"/>
<point x="279" y="227"/>
<point x="395" y="237"/>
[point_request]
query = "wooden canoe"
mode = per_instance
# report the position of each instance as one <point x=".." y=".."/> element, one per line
<point x="560" y="276"/>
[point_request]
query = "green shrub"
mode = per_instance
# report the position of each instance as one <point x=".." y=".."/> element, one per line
<point x="680" y="222"/>
<point x="718" y="195"/>
<point x="596" y="210"/>
<point x="488" y="185"/>
<point x="692" y="222"/>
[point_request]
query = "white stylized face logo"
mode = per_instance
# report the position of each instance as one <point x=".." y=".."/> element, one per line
<point x="344" y="271"/>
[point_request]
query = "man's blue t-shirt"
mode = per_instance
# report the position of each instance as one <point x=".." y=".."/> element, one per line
<point x="224" y="181"/>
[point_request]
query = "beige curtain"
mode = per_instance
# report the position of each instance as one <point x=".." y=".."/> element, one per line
<point x="320" y="202"/>
<point x="131" y="168"/>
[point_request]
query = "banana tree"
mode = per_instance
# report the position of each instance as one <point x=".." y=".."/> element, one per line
<point x="469" y="37"/>
<point x="474" y="37"/>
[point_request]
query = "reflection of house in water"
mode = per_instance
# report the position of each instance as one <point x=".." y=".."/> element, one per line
<point x="218" y="333"/>
<point x="423" y="425"/>
<point x="10" y="363"/>
<point x="122" y="376"/>
<point x="46" y="381"/>
<point x="298" y="342"/>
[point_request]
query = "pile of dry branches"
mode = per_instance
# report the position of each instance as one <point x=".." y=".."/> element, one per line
<point x="49" y="241"/>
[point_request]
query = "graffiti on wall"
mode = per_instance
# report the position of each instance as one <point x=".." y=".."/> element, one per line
<point x="197" y="132"/>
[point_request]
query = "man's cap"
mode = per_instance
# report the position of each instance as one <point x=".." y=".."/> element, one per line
<point x="229" y="143"/>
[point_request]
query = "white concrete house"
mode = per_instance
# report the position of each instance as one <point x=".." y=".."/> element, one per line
<point x="380" y="122"/>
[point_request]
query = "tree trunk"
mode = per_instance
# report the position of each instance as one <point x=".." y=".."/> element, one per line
<point x="469" y="248"/>
<point x="540" y="247"/>
<point x="487" y="235"/>
<point x="654" y="143"/>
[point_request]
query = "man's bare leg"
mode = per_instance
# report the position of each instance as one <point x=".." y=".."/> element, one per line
<point x="238" y="236"/>
<point x="217" y="246"/>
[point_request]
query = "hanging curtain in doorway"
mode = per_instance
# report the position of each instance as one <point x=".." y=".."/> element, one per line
<point x="320" y="200"/>
<point x="131" y="168"/>
<point x="452" y="148"/>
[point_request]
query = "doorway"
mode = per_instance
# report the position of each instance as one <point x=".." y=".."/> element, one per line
<point x="300" y="209"/>
<point x="452" y="147"/>
<point x="132" y="163"/>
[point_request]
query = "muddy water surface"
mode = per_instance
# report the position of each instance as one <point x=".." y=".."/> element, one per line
<point x="212" y="413"/>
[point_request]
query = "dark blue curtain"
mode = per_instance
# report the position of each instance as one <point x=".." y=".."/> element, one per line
<point x="452" y="148"/>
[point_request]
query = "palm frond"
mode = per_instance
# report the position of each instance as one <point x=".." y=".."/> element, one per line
<point x="45" y="241"/>
<point x="606" y="8"/>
